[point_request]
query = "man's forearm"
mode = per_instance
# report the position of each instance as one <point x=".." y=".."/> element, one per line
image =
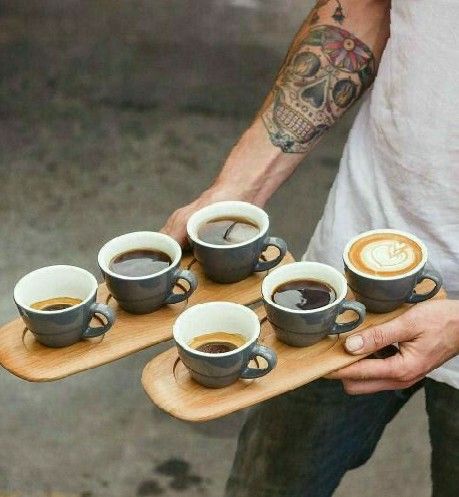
<point x="331" y="62"/>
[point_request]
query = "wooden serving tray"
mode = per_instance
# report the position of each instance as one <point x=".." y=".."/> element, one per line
<point x="169" y="385"/>
<point x="23" y="356"/>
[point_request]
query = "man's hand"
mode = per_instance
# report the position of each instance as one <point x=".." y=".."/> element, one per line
<point x="427" y="336"/>
<point x="176" y="224"/>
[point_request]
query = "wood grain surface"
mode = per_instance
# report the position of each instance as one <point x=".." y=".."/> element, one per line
<point x="173" y="390"/>
<point x="23" y="356"/>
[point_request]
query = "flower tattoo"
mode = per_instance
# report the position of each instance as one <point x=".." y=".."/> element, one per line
<point x="345" y="50"/>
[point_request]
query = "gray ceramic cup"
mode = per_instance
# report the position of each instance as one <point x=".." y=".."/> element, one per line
<point x="384" y="294"/>
<point x="144" y="294"/>
<point x="67" y="326"/>
<point x="232" y="263"/>
<point x="220" y="370"/>
<point x="302" y="328"/>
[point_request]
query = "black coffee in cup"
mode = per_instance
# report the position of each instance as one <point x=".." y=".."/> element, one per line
<point x="218" y="342"/>
<point x="304" y="294"/>
<point x="228" y="231"/>
<point x="140" y="262"/>
<point x="56" y="304"/>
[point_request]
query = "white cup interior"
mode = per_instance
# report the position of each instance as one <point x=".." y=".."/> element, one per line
<point x="138" y="240"/>
<point x="304" y="270"/>
<point x="228" y="208"/>
<point x="351" y="266"/>
<point x="213" y="317"/>
<point x="54" y="281"/>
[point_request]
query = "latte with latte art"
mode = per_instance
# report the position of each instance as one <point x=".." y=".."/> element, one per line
<point x="385" y="254"/>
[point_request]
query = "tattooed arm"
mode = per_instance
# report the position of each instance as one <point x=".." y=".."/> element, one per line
<point x="332" y="60"/>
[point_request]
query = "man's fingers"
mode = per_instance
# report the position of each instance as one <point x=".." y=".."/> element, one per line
<point x="178" y="234"/>
<point x="368" y="369"/>
<point x="377" y="337"/>
<point x="176" y="228"/>
<point x="353" y="387"/>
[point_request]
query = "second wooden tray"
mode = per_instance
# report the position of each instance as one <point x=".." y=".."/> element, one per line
<point x="23" y="356"/>
<point x="169" y="385"/>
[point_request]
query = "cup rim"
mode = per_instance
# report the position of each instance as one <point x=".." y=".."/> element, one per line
<point x="262" y="233"/>
<point x="104" y="267"/>
<point x="55" y="267"/>
<point x="339" y="298"/>
<point x="239" y="307"/>
<point x="351" y="266"/>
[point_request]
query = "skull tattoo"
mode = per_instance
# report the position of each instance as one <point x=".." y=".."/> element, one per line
<point x="328" y="72"/>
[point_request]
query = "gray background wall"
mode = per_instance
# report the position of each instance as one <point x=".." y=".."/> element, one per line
<point x="112" y="114"/>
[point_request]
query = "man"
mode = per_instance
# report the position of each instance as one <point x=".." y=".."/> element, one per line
<point x="399" y="169"/>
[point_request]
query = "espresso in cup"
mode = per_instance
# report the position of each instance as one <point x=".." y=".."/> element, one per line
<point x="218" y="358"/>
<point x="303" y="301"/>
<point x="228" y="230"/>
<point x="228" y="239"/>
<point x="218" y="342"/>
<point x="141" y="270"/>
<point x="384" y="266"/>
<point x="57" y="304"/>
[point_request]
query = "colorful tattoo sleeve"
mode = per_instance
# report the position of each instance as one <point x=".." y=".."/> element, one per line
<point x="327" y="72"/>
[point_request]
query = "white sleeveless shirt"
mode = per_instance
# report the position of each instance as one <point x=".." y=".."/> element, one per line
<point x="400" y="167"/>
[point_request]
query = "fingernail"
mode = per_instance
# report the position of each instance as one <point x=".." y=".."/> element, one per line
<point x="354" y="343"/>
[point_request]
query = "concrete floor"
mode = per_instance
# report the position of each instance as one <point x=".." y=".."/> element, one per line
<point x="111" y="117"/>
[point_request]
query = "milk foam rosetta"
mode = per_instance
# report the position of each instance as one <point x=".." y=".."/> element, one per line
<point x="385" y="254"/>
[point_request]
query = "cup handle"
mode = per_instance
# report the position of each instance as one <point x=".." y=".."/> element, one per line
<point x="108" y="313"/>
<point x="183" y="274"/>
<point x="274" y="242"/>
<point x="267" y="354"/>
<point x="349" y="305"/>
<point x="426" y="274"/>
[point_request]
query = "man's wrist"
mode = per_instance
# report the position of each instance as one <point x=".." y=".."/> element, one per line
<point x="255" y="168"/>
<point x="225" y="190"/>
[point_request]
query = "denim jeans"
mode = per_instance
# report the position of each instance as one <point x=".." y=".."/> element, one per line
<point x="301" y="444"/>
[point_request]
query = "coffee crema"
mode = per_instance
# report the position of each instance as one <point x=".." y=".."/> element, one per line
<point x="140" y="262"/>
<point x="385" y="254"/>
<point x="228" y="230"/>
<point x="56" y="304"/>
<point x="218" y="342"/>
<point x="303" y="294"/>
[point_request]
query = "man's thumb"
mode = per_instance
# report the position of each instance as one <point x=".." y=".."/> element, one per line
<point x="375" y="337"/>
